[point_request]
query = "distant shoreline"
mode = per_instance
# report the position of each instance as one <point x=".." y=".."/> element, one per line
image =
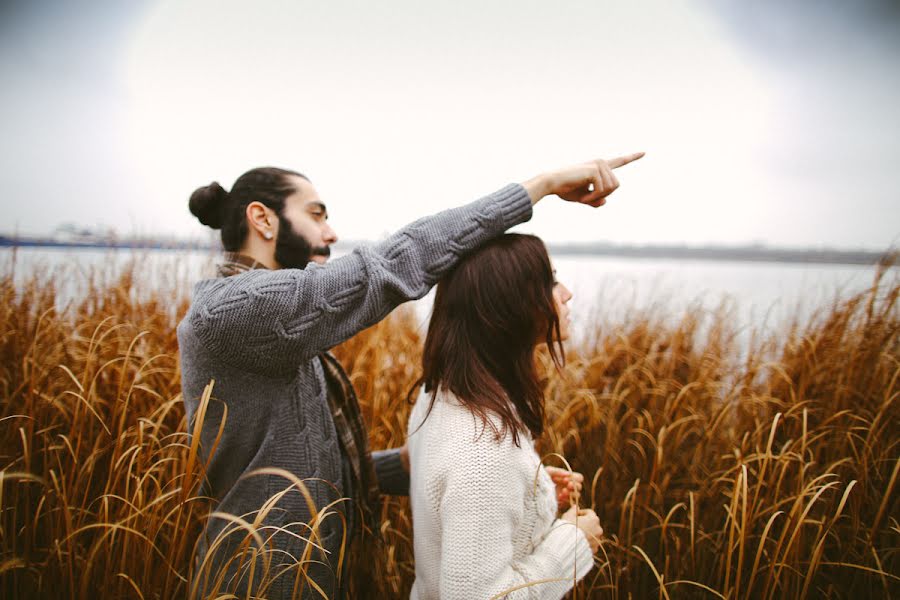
<point x="724" y="253"/>
<point x="6" y="242"/>
<point x="670" y="252"/>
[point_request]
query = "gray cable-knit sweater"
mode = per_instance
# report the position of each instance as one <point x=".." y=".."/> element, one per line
<point x="257" y="335"/>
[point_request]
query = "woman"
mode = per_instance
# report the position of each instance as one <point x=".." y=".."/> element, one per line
<point x="484" y="509"/>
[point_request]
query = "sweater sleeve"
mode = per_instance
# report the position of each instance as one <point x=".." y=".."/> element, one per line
<point x="393" y="479"/>
<point x="480" y="509"/>
<point x="565" y="546"/>
<point x="270" y="321"/>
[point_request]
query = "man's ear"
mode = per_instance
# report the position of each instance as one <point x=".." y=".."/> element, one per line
<point x="260" y="219"/>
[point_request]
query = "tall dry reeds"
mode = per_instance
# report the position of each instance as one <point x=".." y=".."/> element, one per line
<point x="718" y="471"/>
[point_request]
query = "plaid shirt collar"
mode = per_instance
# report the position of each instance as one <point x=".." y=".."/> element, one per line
<point x="344" y="408"/>
<point x="234" y="263"/>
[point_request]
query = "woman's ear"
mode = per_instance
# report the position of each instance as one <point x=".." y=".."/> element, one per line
<point x="261" y="220"/>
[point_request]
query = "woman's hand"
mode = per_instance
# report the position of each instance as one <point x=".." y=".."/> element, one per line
<point x="568" y="485"/>
<point x="588" y="183"/>
<point x="588" y="522"/>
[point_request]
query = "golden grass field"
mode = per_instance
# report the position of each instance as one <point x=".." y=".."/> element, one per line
<point x="716" y="472"/>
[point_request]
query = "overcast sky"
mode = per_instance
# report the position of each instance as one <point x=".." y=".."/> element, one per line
<point x="761" y="122"/>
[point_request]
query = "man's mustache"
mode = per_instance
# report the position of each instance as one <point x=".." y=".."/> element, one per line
<point x="321" y="251"/>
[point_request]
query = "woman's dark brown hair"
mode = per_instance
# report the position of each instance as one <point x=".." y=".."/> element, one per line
<point x="489" y="314"/>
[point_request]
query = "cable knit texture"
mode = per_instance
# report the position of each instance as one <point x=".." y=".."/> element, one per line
<point x="484" y="512"/>
<point x="258" y="334"/>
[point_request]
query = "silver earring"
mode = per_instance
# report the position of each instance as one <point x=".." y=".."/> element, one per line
<point x="268" y="235"/>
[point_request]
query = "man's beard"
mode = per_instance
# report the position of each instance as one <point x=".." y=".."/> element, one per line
<point x="293" y="251"/>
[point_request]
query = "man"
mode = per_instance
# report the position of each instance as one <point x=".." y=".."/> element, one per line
<point x="285" y="447"/>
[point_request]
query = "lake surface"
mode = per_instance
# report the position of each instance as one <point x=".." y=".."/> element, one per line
<point x="761" y="295"/>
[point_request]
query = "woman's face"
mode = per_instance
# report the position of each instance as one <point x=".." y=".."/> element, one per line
<point x="561" y="297"/>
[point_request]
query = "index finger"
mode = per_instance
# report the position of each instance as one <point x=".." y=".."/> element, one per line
<point x="615" y="163"/>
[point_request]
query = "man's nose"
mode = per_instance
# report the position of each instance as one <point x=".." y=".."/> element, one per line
<point x="328" y="235"/>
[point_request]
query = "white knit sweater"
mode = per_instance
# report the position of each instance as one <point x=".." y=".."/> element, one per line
<point x="484" y="512"/>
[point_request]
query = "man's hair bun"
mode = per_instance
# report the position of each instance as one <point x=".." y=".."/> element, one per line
<point x="208" y="204"/>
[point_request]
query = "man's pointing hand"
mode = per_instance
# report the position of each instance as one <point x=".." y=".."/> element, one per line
<point x="588" y="183"/>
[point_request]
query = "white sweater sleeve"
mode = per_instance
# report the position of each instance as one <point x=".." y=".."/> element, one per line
<point x="481" y="506"/>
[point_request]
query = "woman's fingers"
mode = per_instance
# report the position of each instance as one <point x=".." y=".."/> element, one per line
<point x="571" y="514"/>
<point x="568" y="483"/>
<point x="558" y="475"/>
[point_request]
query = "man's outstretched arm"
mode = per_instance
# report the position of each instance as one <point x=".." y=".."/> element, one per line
<point x="270" y="321"/>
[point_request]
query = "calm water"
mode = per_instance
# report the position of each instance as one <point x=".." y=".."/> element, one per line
<point x="761" y="295"/>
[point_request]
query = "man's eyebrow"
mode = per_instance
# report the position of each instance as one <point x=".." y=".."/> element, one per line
<point x="315" y="204"/>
